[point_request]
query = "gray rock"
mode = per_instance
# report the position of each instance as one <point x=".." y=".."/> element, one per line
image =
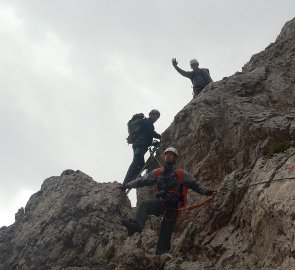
<point x="72" y="221"/>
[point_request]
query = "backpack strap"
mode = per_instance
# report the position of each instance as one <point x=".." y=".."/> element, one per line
<point x="182" y="191"/>
<point x="158" y="171"/>
<point x="180" y="175"/>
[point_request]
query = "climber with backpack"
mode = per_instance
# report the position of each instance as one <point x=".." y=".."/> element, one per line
<point x="141" y="134"/>
<point x="171" y="186"/>
<point x="200" y="77"/>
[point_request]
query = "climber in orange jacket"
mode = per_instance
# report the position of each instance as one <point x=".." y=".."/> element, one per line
<point x="171" y="186"/>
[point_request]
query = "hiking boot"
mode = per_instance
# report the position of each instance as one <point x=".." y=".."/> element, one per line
<point x="131" y="225"/>
<point x="161" y="252"/>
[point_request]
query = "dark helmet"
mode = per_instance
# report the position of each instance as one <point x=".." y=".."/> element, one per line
<point x="155" y="112"/>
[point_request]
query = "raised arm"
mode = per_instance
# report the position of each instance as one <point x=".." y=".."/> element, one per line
<point x="188" y="74"/>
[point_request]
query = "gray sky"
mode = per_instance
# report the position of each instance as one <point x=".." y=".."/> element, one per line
<point x="74" y="72"/>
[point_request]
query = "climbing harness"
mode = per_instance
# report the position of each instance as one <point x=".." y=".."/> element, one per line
<point x="181" y="190"/>
<point x="197" y="205"/>
<point x="178" y="211"/>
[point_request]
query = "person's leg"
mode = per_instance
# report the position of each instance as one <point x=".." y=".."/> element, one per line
<point x="131" y="225"/>
<point x="136" y="165"/>
<point x="139" y="161"/>
<point x="149" y="207"/>
<point x="167" y="226"/>
<point x="196" y="93"/>
<point x="146" y="208"/>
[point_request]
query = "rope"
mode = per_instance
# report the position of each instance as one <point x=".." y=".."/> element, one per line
<point x="210" y="199"/>
<point x="258" y="183"/>
<point x="197" y="205"/>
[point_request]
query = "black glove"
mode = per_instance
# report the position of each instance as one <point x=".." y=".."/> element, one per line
<point x="211" y="193"/>
<point x="174" y="62"/>
<point x="155" y="143"/>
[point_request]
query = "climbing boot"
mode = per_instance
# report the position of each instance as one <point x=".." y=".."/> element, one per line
<point x="131" y="225"/>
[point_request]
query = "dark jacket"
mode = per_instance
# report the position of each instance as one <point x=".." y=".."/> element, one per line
<point x="146" y="134"/>
<point x="200" y="78"/>
<point x="151" y="178"/>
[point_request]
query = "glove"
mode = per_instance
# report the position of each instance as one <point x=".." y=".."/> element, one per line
<point x="211" y="193"/>
<point x="155" y="143"/>
<point x="174" y="62"/>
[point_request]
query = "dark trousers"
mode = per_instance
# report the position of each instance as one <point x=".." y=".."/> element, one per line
<point x="154" y="207"/>
<point x="136" y="165"/>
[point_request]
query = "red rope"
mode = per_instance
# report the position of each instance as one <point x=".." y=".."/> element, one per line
<point x="197" y="205"/>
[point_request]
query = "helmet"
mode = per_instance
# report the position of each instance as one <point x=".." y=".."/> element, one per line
<point x="171" y="149"/>
<point x="155" y="112"/>
<point x="194" y="61"/>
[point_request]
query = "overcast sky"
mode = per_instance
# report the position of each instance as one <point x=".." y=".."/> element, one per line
<point x="73" y="72"/>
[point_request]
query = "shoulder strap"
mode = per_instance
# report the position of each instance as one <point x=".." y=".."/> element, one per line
<point x="180" y="175"/>
<point x="159" y="170"/>
<point x="182" y="189"/>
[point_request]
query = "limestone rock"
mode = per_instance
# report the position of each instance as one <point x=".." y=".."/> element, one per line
<point x="72" y="221"/>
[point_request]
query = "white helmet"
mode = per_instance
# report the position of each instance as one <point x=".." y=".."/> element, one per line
<point x="171" y="149"/>
<point x="194" y="61"/>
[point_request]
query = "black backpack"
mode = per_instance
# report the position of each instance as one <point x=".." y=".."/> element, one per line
<point x="133" y="126"/>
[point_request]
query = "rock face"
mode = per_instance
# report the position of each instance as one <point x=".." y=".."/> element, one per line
<point x="239" y="132"/>
<point x="72" y="221"/>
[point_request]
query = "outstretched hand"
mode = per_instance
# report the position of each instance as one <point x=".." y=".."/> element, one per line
<point x="174" y="62"/>
<point x="156" y="143"/>
<point x="214" y="193"/>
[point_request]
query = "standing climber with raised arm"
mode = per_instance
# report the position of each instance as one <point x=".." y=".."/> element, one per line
<point x="199" y="77"/>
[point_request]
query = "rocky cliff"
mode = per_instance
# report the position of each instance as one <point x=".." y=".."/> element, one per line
<point x="239" y="132"/>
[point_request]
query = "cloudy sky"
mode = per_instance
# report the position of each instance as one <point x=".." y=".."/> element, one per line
<point x="73" y="72"/>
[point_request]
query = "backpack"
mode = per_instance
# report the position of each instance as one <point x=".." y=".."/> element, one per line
<point x="133" y="126"/>
<point x="182" y="190"/>
<point x="204" y="70"/>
